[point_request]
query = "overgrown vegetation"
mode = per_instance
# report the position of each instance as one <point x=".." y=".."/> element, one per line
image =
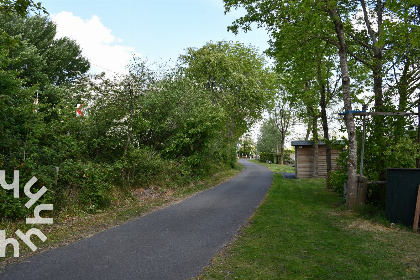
<point x="301" y="232"/>
<point x="272" y="157"/>
<point x="90" y="140"/>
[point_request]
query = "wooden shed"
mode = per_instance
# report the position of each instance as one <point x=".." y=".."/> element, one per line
<point x="304" y="159"/>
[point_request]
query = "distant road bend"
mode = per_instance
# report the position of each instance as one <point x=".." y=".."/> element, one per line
<point x="176" y="242"/>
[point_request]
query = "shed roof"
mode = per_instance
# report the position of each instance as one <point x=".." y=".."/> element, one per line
<point x="305" y="143"/>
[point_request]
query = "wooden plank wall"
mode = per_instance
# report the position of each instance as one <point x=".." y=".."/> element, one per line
<point x="305" y="160"/>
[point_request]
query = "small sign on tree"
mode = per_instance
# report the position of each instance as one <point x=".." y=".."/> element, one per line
<point x="79" y="112"/>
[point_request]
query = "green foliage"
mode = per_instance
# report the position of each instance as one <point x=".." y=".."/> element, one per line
<point x="142" y="129"/>
<point x="269" y="137"/>
<point x="145" y="167"/>
<point x="246" y="146"/>
<point x="288" y="158"/>
<point x="337" y="179"/>
<point x="265" y="157"/>
<point x="397" y="154"/>
<point x="39" y="58"/>
<point x="10" y="207"/>
<point x="380" y="51"/>
<point x="20" y="7"/>
<point x="35" y="139"/>
<point x="95" y="189"/>
<point x="235" y="77"/>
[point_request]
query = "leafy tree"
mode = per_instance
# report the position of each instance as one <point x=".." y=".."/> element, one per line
<point x="351" y="198"/>
<point x="306" y="61"/>
<point x="237" y="79"/>
<point x="170" y="115"/>
<point x="283" y="118"/>
<point x="246" y="146"/>
<point x="20" y="7"/>
<point x="35" y="139"/>
<point x="40" y="58"/>
<point x="308" y="18"/>
<point x="365" y="39"/>
<point x="269" y="138"/>
<point x="188" y="127"/>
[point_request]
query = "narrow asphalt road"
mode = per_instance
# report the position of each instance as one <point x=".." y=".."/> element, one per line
<point x="176" y="242"/>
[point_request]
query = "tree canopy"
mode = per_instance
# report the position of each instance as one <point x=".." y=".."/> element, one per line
<point x="40" y="58"/>
<point x="369" y="45"/>
<point x="237" y="78"/>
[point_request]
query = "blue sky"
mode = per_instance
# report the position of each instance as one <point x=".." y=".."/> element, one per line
<point x="111" y="32"/>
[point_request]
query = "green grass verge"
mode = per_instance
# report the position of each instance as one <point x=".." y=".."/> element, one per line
<point x="276" y="167"/>
<point x="300" y="232"/>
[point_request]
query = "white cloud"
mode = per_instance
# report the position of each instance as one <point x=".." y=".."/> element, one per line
<point x="104" y="51"/>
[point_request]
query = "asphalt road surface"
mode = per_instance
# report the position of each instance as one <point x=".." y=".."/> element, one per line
<point x="176" y="242"/>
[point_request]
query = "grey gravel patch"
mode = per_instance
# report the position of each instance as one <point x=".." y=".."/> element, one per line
<point x="287" y="175"/>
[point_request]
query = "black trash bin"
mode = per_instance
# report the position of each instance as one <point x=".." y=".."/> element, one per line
<point x="401" y="195"/>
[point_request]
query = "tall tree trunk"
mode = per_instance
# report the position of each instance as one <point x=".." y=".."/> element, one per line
<point x="377" y="84"/>
<point x="309" y="123"/>
<point x="377" y="65"/>
<point x="282" y="118"/>
<point x="351" y="196"/>
<point x="283" y="137"/>
<point x="308" y="130"/>
<point x="282" y="155"/>
<point x="377" y="51"/>
<point x="316" y="150"/>
<point x="379" y="129"/>
<point x="403" y="86"/>
<point x="324" y="119"/>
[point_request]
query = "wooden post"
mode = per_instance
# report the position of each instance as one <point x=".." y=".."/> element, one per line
<point x="362" y="192"/>
<point x="56" y="176"/>
<point x="362" y="154"/>
<point x="417" y="213"/>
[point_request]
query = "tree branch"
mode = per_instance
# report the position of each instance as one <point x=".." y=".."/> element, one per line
<point x="358" y="58"/>
<point x="368" y="23"/>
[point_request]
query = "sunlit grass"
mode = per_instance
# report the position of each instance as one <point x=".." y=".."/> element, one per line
<point x="277" y="167"/>
<point x="301" y="232"/>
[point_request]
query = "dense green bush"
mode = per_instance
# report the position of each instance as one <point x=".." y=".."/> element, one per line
<point x="12" y="208"/>
<point x="287" y="157"/>
<point x="337" y="179"/>
<point x="264" y="157"/>
<point x="95" y="190"/>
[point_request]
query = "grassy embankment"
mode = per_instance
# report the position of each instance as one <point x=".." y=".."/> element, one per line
<point x="301" y="232"/>
<point x="70" y="226"/>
